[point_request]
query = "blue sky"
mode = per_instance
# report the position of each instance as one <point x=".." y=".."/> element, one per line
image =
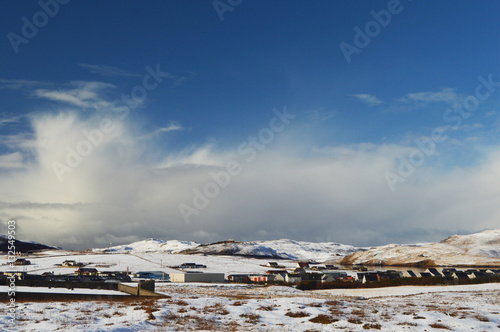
<point x="354" y="120"/>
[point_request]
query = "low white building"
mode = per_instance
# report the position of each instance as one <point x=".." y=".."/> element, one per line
<point x="196" y="277"/>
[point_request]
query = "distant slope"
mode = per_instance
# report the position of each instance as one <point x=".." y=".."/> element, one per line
<point x="150" y="245"/>
<point x="22" y="246"/>
<point x="279" y="249"/>
<point x="480" y="249"/>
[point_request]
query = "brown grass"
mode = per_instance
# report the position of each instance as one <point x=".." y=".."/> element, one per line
<point x="359" y="313"/>
<point x="482" y="318"/>
<point x="251" y="318"/>
<point x="323" y="319"/>
<point x="354" y="320"/>
<point x="439" y="326"/>
<point x="180" y="302"/>
<point x="315" y="304"/>
<point x="372" y="326"/>
<point x="297" y="314"/>
<point x="267" y="308"/>
<point x="217" y="308"/>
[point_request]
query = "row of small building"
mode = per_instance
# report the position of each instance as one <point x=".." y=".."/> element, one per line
<point x="322" y="275"/>
<point x="302" y="272"/>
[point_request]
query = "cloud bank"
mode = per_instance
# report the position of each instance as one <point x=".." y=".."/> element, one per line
<point x="130" y="188"/>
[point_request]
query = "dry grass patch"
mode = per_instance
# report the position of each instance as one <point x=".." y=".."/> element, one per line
<point x="359" y="313"/>
<point x="297" y="314"/>
<point x="217" y="308"/>
<point x="482" y="318"/>
<point x="334" y="303"/>
<point x="180" y="302"/>
<point x="372" y="326"/>
<point x="439" y="326"/>
<point x="251" y="318"/>
<point x="267" y="308"/>
<point x="354" y="320"/>
<point x="323" y="319"/>
<point x="239" y="303"/>
<point x="407" y="324"/>
<point x="315" y="305"/>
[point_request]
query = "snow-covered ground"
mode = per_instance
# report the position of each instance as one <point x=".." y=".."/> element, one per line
<point x="141" y="262"/>
<point x="232" y="307"/>
<point x="198" y="307"/>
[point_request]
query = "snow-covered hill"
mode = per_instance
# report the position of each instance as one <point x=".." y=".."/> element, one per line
<point x="465" y="250"/>
<point x="285" y="249"/>
<point x="279" y="249"/>
<point x="150" y="245"/>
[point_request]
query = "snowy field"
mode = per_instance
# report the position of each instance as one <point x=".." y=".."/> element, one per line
<point x="232" y="307"/>
<point x="142" y="262"/>
<point x="205" y="307"/>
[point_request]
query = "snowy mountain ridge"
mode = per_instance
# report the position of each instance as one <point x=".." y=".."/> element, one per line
<point x="479" y="249"/>
<point x="474" y="249"/>
<point x="149" y="245"/>
<point x="279" y="249"/>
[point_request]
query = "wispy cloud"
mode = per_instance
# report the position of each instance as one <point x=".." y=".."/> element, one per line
<point x="12" y="160"/>
<point x="82" y="94"/>
<point x="17" y="84"/>
<point x="159" y="131"/>
<point x="10" y="119"/>
<point x="320" y="115"/>
<point x="368" y="99"/>
<point x="107" y="70"/>
<point x="22" y="140"/>
<point x="446" y="95"/>
<point x="418" y="100"/>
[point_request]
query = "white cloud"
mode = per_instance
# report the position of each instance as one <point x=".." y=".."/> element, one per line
<point x="107" y="70"/>
<point x="446" y="95"/>
<point x="18" y="84"/>
<point x="128" y="188"/>
<point x="10" y="119"/>
<point x="368" y="99"/>
<point x="159" y="131"/>
<point x="119" y="194"/>
<point x="81" y="94"/>
<point x="11" y="160"/>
